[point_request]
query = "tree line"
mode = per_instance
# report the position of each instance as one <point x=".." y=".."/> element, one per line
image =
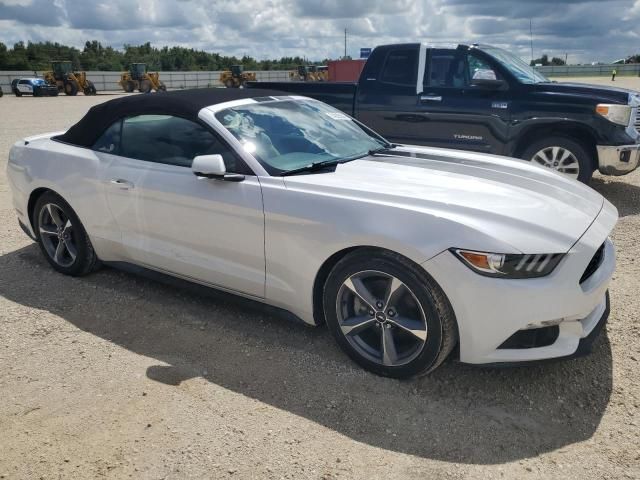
<point x="96" y="57"/>
<point x="544" y="60"/>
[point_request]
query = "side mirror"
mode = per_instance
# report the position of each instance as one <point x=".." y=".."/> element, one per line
<point x="488" y="84"/>
<point x="212" y="166"/>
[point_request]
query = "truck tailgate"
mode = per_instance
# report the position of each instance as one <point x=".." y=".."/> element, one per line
<point x="337" y="94"/>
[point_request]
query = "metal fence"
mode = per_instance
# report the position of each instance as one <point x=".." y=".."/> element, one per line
<point x="590" y="70"/>
<point x="108" y="81"/>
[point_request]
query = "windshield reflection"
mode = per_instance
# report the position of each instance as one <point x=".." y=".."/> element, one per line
<point x="289" y="134"/>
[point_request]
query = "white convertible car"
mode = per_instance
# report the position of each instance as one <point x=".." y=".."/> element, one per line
<point x="404" y="252"/>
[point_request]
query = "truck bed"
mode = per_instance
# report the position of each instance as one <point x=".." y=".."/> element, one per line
<point x="340" y="95"/>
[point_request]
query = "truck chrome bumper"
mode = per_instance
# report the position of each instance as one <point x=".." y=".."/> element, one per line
<point x="618" y="160"/>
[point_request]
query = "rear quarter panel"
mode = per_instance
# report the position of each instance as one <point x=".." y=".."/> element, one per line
<point x="73" y="173"/>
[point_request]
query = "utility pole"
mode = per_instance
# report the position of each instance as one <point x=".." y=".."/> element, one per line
<point x="566" y="59"/>
<point x="345" y="43"/>
<point x="531" y="37"/>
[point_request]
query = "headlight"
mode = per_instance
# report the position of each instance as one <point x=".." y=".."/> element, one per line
<point x="620" y="114"/>
<point x="509" y="266"/>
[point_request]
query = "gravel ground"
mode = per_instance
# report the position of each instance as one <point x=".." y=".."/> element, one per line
<point x="115" y="375"/>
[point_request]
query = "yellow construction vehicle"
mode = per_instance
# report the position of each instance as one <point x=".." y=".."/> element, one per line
<point x="137" y="78"/>
<point x="310" y="73"/>
<point x="236" y="77"/>
<point x="301" y="74"/>
<point x="68" y="81"/>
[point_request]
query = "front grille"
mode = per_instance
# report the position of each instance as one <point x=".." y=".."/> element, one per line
<point x="637" y="122"/>
<point x="594" y="264"/>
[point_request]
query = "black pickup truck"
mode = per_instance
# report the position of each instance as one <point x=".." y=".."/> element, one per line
<point x="486" y="99"/>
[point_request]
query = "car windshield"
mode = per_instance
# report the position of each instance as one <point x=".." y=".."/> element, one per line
<point x="37" y="81"/>
<point x="286" y="135"/>
<point x="513" y="63"/>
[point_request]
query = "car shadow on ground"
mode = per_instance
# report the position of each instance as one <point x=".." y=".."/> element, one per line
<point x="625" y="196"/>
<point x="499" y="415"/>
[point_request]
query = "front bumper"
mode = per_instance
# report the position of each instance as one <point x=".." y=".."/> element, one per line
<point x="490" y="311"/>
<point x="618" y="160"/>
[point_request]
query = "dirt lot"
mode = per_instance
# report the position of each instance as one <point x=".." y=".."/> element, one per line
<point x="116" y="376"/>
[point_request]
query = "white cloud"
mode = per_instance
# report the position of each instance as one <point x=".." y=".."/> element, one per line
<point x="315" y="28"/>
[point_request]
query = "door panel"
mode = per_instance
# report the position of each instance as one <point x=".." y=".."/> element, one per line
<point x="455" y="114"/>
<point x="208" y="230"/>
<point x="387" y="103"/>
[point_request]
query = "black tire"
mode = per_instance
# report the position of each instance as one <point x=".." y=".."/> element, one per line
<point x="71" y="88"/>
<point x="17" y="92"/>
<point x="229" y="83"/>
<point x="162" y="87"/>
<point x="37" y="92"/>
<point x="129" y="86"/>
<point x="85" y="260"/>
<point x="584" y="158"/>
<point x="145" y="86"/>
<point x="441" y="327"/>
<point x="1" y="93"/>
<point x="90" y="88"/>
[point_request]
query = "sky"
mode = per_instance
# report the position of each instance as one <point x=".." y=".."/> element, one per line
<point x="586" y="31"/>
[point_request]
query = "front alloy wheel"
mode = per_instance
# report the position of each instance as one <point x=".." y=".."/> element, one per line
<point x="560" y="159"/>
<point x="388" y="314"/>
<point x="381" y="318"/>
<point x="564" y="155"/>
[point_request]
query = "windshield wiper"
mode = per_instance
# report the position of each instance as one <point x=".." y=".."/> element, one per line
<point x="317" y="166"/>
<point x="312" y="167"/>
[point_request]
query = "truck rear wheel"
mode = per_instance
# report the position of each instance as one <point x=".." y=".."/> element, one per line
<point x="562" y="154"/>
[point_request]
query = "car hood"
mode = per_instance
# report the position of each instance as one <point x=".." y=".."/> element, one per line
<point x="530" y="208"/>
<point x="599" y="93"/>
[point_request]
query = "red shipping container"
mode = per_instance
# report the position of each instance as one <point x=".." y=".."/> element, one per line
<point x="345" y="70"/>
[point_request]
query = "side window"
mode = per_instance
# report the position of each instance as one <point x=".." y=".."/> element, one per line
<point x="480" y="70"/>
<point x="172" y="140"/>
<point x="400" y="68"/>
<point x="109" y="141"/>
<point x="453" y="69"/>
<point x="447" y="69"/>
<point x="25" y="82"/>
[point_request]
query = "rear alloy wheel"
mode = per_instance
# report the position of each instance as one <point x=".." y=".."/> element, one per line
<point x="563" y="155"/>
<point x="388" y="315"/>
<point x="61" y="236"/>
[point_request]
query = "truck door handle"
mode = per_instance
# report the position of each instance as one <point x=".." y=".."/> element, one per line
<point x="122" y="184"/>
<point x="430" y="98"/>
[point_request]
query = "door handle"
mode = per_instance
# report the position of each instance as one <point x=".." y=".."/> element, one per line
<point x="431" y="98"/>
<point x="122" y="184"/>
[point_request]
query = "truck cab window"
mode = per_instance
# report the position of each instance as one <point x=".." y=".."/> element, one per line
<point x="453" y="69"/>
<point x="400" y="68"/>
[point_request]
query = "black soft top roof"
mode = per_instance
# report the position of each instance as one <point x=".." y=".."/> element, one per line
<point x="181" y="103"/>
